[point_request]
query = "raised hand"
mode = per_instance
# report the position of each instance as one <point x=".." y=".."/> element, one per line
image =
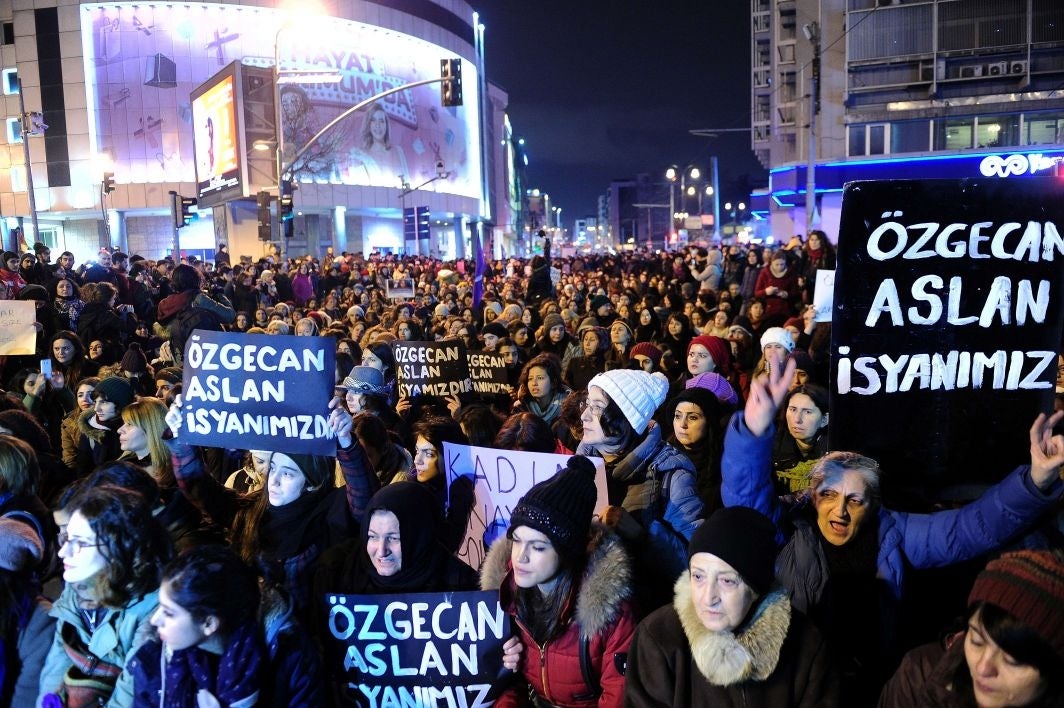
<point x="173" y="416"/>
<point x="1047" y="450"/>
<point x="766" y="395"/>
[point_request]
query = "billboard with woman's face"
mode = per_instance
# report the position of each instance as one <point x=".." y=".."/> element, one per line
<point x="143" y="61"/>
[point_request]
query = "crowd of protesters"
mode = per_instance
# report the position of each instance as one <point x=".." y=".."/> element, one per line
<point x="738" y="561"/>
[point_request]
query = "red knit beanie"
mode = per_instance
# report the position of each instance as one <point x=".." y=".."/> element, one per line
<point x="1029" y="585"/>
<point x="648" y="350"/>
<point x="719" y="349"/>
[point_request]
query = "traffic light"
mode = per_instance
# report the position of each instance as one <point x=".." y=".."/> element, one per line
<point x="287" y="187"/>
<point x="187" y="216"/>
<point x="265" y="227"/>
<point x="451" y="88"/>
<point x="108" y="182"/>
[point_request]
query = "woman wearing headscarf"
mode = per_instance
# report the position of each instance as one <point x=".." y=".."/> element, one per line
<point x="730" y="637"/>
<point x="567" y="584"/>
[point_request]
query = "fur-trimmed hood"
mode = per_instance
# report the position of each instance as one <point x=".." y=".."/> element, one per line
<point x="749" y="654"/>
<point x="604" y="588"/>
<point x="92" y="433"/>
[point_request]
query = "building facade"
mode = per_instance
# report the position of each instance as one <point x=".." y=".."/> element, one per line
<point x="113" y="82"/>
<point x="901" y="89"/>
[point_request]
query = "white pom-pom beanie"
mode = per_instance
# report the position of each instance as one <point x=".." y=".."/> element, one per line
<point x="637" y="393"/>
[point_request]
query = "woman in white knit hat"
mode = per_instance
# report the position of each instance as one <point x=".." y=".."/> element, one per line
<point x="654" y="501"/>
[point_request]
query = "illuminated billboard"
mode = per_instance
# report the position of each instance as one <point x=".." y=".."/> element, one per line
<point x="217" y="139"/>
<point x="143" y="62"/>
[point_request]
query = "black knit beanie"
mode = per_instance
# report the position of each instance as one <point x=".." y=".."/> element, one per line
<point x="117" y="390"/>
<point x="561" y="507"/>
<point x="744" y="539"/>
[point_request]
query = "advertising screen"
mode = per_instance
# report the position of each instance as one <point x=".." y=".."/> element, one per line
<point x="143" y="61"/>
<point x="216" y="140"/>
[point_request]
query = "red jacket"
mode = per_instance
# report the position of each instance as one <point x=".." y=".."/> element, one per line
<point x="599" y="608"/>
<point x="777" y="307"/>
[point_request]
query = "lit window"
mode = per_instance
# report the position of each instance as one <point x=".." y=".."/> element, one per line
<point x="14" y="131"/>
<point x="9" y="79"/>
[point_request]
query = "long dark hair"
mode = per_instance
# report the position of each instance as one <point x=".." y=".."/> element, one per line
<point x="542" y="613"/>
<point x="131" y="540"/>
<point x="211" y="581"/>
<point x="551" y="364"/>
<point x="1024" y="645"/>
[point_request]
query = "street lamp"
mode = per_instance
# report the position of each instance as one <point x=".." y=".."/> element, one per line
<point x="686" y="191"/>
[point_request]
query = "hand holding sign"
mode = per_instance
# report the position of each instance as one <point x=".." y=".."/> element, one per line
<point x="1047" y="450"/>
<point x="173" y="416"/>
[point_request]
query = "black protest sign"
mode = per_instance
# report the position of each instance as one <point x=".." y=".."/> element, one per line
<point x="258" y="392"/>
<point x="418" y="649"/>
<point x="947" y="323"/>
<point x="488" y="372"/>
<point x="431" y="368"/>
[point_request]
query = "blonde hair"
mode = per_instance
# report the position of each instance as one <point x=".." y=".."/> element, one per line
<point x="149" y="414"/>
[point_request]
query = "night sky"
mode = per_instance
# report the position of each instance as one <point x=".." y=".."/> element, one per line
<point x="603" y="91"/>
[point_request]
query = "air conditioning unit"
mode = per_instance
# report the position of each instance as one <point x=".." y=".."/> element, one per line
<point x="997" y="68"/>
<point x="971" y="71"/>
<point x="1018" y="67"/>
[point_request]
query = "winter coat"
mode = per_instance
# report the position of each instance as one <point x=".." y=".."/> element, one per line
<point x="775" y="659"/>
<point x="927" y="675"/>
<point x="599" y="611"/>
<point x="69" y="436"/>
<point x="99" y="321"/>
<point x="171" y="305"/>
<point x="119" y="635"/>
<point x="905" y="539"/>
<point x="660" y="491"/>
<point x="302" y="288"/>
<point x="776" y="307"/>
<point x="21" y="671"/>
<point x="95" y="445"/>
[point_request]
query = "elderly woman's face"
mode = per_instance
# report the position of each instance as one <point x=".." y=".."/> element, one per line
<point x="841" y="503"/>
<point x="383" y="543"/>
<point x="721" y="597"/>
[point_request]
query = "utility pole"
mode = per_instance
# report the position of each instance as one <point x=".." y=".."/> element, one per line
<point x="812" y="33"/>
<point x="26" y="124"/>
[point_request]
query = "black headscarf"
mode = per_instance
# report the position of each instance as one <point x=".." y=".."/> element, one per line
<point x="416" y="508"/>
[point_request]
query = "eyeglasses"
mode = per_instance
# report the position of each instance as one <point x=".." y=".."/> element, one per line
<point x="77" y="544"/>
<point x="596" y="410"/>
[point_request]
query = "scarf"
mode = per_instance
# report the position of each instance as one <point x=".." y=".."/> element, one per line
<point x="550" y="412"/>
<point x="234" y="676"/>
<point x="283" y="530"/>
<point x="70" y="308"/>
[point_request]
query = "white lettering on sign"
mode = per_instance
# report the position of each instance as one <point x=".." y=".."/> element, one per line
<point x="1014" y="165"/>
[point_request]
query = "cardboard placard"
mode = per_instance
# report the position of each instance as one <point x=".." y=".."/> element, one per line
<point x="258" y="392"/>
<point x="431" y="368"/>
<point x="17" y="332"/>
<point x="500" y="478"/>
<point x="947" y="323"/>
<point x="488" y="372"/>
<point x="420" y="649"/>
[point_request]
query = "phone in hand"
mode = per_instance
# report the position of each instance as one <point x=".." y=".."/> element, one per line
<point x="46" y="368"/>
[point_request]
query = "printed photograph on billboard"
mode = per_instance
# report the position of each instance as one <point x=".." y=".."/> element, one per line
<point x="142" y="62"/>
